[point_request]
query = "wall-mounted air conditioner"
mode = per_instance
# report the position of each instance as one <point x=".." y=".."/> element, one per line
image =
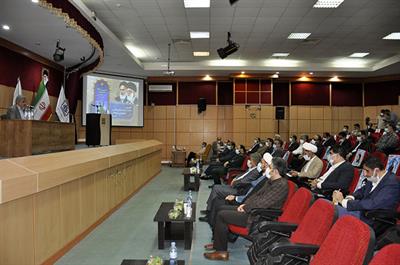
<point x="160" y="88"/>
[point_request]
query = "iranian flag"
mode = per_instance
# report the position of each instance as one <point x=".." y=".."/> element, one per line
<point x="42" y="110"/>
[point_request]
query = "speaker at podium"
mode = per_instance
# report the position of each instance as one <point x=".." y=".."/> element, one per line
<point x="98" y="129"/>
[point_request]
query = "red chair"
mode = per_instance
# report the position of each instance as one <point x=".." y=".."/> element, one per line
<point x="311" y="231"/>
<point x="349" y="242"/>
<point x="304" y="195"/>
<point x="381" y="157"/>
<point x="324" y="167"/>
<point x="355" y="180"/>
<point x="389" y="255"/>
<point x="233" y="172"/>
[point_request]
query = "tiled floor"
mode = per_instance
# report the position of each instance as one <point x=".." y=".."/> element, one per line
<point x="131" y="233"/>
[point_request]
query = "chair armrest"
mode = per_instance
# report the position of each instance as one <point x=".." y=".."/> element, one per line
<point x="266" y="213"/>
<point x="276" y="226"/>
<point x="384" y="216"/>
<point x="288" y="248"/>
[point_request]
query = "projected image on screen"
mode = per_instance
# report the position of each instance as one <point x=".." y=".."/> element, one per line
<point x="121" y="97"/>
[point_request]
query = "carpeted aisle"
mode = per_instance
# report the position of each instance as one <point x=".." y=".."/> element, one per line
<point x="130" y="232"/>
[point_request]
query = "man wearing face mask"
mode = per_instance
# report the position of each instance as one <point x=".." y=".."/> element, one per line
<point x="277" y="149"/>
<point x="235" y="162"/>
<point x="239" y="185"/>
<point x="270" y="145"/>
<point x="338" y="177"/>
<point x="193" y="155"/>
<point x="381" y="121"/>
<point x="293" y="144"/>
<point x="327" y="140"/>
<point x="227" y="155"/>
<point x="344" y="142"/>
<point x="388" y="141"/>
<point x="380" y="192"/>
<point x="215" y="147"/>
<point x="254" y="147"/>
<point x="262" y="148"/>
<point x="317" y="141"/>
<point x="362" y="143"/>
<point x="272" y="195"/>
<point x="298" y="161"/>
<point x="312" y="169"/>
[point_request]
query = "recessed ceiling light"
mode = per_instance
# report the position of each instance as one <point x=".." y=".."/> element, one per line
<point x="6" y="27"/>
<point x="328" y="3"/>
<point x="198" y="54"/>
<point x="311" y="73"/>
<point x="139" y="53"/>
<point x="243" y="72"/>
<point x="299" y="36"/>
<point x="196" y="3"/>
<point x="359" y="54"/>
<point x="280" y="54"/>
<point x="392" y="36"/>
<point x="275" y="75"/>
<point x="334" y="79"/>
<point x="35" y="1"/>
<point x="199" y="35"/>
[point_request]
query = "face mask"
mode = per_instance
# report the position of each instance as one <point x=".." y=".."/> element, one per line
<point x="261" y="145"/>
<point x="291" y="139"/>
<point x="255" y="141"/>
<point x="344" y="129"/>
<point x="359" y="138"/>
<point x="324" y="139"/>
<point x="301" y="141"/>
<point x="306" y="157"/>
<point x="387" y="130"/>
<point x="381" y="114"/>
<point x="374" y="178"/>
<point x="237" y="151"/>
<point x="229" y="147"/>
<point x="267" y="171"/>
<point x="331" y="161"/>
<point x="249" y="164"/>
<point x="274" y="146"/>
<point x="259" y="167"/>
<point x="313" y="141"/>
<point x="341" y="140"/>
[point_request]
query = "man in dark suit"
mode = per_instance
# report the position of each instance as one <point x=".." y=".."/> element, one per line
<point x="327" y="140"/>
<point x="215" y="147"/>
<point x="293" y="144"/>
<point x="381" y="192"/>
<point x="255" y="146"/>
<point x="236" y="162"/>
<point x="338" y="177"/>
<point x="233" y="200"/>
<point x="242" y="180"/>
<point x="317" y="141"/>
<point x="363" y="143"/>
<point x="344" y="142"/>
<point x="272" y="195"/>
<point x="16" y="112"/>
<point x="277" y="150"/>
<point x="227" y="155"/>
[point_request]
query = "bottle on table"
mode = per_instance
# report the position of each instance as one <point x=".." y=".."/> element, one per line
<point x="173" y="254"/>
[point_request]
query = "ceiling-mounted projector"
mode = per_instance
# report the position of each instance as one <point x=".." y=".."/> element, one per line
<point x="228" y="50"/>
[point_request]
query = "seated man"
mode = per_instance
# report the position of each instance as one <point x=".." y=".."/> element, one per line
<point x="312" y="169"/>
<point x="338" y="177"/>
<point x="221" y="191"/>
<point x="272" y="195"/>
<point x="262" y="149"/>
<point x="388" y="141"/>
<point x="231" y="201"/>
<point x="16" y="112"/>
<point x="255" y="146"/>
<point x="215" y="147"/>
<point x="226" y="155"/>
<point x="293" y="144"/>
<point x="363" y="143"/>
<point x="317" y="141"/>
<point x="381" y="192"/>
<point x="277" y="150"/>
<point x="236" y="162"/>
<point x="327" y="140"/>
<point x="193" y="155"/>
<point x="344" y="142"/>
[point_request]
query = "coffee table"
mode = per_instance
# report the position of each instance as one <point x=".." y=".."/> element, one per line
<point x="144" y="262"/>
<point x="174" y="229"/>
<point x="187" y="184"/>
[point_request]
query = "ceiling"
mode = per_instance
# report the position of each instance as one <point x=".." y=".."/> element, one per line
<point x="37" y="30"/>
<point x="261" y="27"/>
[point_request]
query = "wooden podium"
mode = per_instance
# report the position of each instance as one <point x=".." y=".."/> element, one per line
<point x="28" y="137"/>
